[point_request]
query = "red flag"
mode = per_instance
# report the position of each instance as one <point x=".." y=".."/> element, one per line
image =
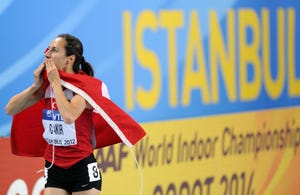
<point x="112" y="124"/>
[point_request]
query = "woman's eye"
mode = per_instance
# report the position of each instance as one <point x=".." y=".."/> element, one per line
<point x="55" y="50"/>
<point x="52" y="50"/>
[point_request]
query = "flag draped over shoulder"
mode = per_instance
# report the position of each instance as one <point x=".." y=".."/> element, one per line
<point x="112" y="124"/>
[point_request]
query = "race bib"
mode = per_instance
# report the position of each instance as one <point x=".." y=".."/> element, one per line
<point x="94" y="173"/>
<point x="57" y="132"/>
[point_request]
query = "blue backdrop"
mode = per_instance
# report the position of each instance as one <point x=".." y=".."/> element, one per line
<point x="27" y="28"/>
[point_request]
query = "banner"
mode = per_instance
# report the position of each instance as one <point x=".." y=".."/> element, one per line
<point x="245" y="153"/>
<point x="19" y="175"/>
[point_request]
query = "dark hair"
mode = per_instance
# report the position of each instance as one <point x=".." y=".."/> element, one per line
<point x="74" y="47"/>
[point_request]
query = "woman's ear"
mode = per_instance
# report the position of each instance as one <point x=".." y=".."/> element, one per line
<point x="71" y="59"/>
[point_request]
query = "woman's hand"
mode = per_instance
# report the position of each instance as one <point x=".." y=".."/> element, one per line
<point x="38" y="76"/>
<point x="52" y="72"/>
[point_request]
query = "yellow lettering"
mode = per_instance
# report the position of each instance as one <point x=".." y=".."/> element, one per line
<point x="226" y="59"/>
<point x="171" y="20"/>
<point x="128" y="70"/>
<point x="294" y="83"/>
<point x="194" y="78"/>
<point x="249" y="55"/>
<point x="275" y="87"/>
<point x="240" y="57"/>
<point x="148" y="59"/>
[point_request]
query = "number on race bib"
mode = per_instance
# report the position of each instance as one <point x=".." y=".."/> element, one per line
<point x="94" y="173"/>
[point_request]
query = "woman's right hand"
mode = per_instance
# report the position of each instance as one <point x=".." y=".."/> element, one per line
<point x="38" y="76"/>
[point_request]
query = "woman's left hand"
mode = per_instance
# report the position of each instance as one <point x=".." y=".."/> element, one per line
<point x="52" y="72"/>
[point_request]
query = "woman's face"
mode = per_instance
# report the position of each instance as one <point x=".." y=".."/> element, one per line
<point x="56" y="52"/>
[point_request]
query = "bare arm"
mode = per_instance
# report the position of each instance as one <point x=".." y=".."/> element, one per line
<point x="69" y="110"/>
<point x="28" y="96"/>
<point x="22" y="100"/>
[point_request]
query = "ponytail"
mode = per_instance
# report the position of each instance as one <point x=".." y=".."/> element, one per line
<point x="84" y="66"/>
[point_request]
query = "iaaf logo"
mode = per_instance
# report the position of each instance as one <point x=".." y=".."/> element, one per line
<point x="54" y="115"/>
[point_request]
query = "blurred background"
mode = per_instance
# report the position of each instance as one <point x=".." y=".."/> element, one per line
<point x="215" y="84"/>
